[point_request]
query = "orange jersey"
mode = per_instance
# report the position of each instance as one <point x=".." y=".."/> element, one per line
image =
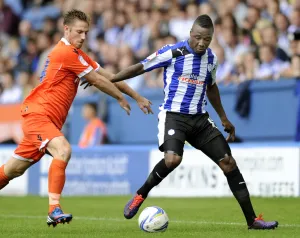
<point x="59" y="82"/>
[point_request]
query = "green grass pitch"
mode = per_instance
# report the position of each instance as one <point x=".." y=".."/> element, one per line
<point x="189" y="217"/>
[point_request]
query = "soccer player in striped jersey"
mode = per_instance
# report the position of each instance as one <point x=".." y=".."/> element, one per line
<point x="189" y="76"/>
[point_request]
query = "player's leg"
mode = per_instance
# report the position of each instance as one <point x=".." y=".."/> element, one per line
<point x="172" y="158"/>
<point x="60" y="149"/>
<point x="44" y="136"/>
<point x="171" y="141"/>
<point x="11" y="169"/>
<point x="23" y="157"/>
<point x="219" y="151"/>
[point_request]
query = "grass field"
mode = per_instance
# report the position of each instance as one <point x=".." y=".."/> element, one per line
<point x="103" y="217"/>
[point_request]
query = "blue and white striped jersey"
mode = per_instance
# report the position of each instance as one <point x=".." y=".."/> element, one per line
<point x="186" y="76"/>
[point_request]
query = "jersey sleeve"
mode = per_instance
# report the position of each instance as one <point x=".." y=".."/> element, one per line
<point x="93" y="63"/>
<point x="161" y="58"/>
<point x="79" y="63"/>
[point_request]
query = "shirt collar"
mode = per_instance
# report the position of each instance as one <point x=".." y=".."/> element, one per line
<point x="65" y="41"/>
<point x="191" y="50"/>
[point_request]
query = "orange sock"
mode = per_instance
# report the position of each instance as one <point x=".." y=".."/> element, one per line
<point x="56" y="182"/>
<point x="4" y="180"/>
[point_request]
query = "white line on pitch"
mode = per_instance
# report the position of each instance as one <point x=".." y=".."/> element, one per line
<point x="124" y="220"/>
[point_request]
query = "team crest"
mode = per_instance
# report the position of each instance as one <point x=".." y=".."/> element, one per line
<point x="171" y="132"/>
<point x="77" y="80"/>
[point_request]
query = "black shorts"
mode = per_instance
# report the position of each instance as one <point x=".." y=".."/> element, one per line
<point x="176" y="128"/>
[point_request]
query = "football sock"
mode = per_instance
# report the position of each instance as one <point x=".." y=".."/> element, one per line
<point x="56" y="182"/>
<point x="159" y="172"/>
<point x="239" y="189"/>
<point x="4" y="180"/>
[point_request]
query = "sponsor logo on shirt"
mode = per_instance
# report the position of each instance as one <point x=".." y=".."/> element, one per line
<point x="191" y="79"/>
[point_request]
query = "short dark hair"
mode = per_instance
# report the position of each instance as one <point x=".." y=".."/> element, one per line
<point x="92" y="105"/>
<point x="74" y="14"/>
<point x="204" y="21"/>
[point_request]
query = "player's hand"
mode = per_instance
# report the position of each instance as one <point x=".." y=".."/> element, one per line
<point x="125" y="105"/>
<point x="144" y="105"/>
<point x="86" y="83"/>
<point x="229" y="128"/>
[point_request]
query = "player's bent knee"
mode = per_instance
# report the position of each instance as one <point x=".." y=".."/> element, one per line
<point x="60" y="148"/>
<point x="227" y="164"/>
<point x="65" y="153"/>
<point x="172" y="159"/>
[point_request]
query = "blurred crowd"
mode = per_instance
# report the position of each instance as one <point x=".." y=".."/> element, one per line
<point x="254" y="39"/>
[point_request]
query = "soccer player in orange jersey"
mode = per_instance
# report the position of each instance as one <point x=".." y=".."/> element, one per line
<point x="45" y="110"/>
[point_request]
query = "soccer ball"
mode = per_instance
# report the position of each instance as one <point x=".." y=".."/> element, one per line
<point x="153" y="219"/>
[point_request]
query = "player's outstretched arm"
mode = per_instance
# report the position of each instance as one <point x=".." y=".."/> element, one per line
<point x="159" y="59"/>
<point x="130" y="72"/>
<point x="144" y="103"/>
<point x="213" y="95"/>
<point x="104" y="85"/>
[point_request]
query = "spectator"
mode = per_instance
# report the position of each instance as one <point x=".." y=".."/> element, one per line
<point x="95" y="132"/>
<point x="225" y="68"/>
<point x="273" y="8"/>
<point x="270" y="66"/>
<point x="282" y="24"/>
<point x="11" y="93"/>
<point x="37" y="13"/>
<point x="232" y="46"/>
<point x="10" y="52"/>
<point x="24" y="32"/>
<point x="251" y="65"/>
<point x="135" y="34"/>
<point x="8" y="20"/>
<point x="179" y="24"/>
<point x="252" y="17"/>
<point x="114" y="33"/>
<point x="239" y="10"/>
<point x="24" y="83"/>
<point x="295" y="21"/>
<point x="44" y="47"/>
<point x="293" y="71"/>
<point x="28" y="58"/>
<point x="294" y="43"/>
<point x="245" y="67"/>
<point x="269" y="36"/>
